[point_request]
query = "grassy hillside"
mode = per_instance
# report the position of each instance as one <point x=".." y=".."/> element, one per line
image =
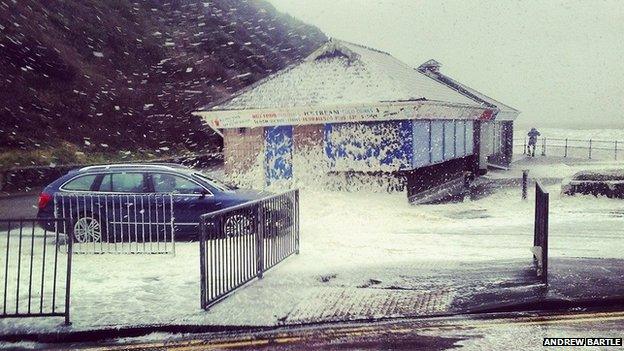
<point x="94" y="76"/>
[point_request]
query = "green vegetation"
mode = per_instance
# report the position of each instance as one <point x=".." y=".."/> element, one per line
<point x="68" y="154"/>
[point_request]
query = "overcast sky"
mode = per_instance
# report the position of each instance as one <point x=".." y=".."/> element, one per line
<point x="560" y="63"/>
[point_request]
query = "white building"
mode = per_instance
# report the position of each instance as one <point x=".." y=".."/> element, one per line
<point x="352" y="111"/>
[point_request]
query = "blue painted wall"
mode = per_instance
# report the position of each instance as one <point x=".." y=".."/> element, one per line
<point x="278" y="142"/>
<point x="369" y="146"/>
<point x="374" y="146"/>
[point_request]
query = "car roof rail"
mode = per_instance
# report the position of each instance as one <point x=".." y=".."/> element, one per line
<point x="167" y="166"/>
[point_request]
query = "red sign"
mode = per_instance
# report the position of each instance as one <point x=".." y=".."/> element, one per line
<point x="487" y="115"/>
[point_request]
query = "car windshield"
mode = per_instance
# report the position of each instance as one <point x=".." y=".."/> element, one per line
<point x="215" y="183"/>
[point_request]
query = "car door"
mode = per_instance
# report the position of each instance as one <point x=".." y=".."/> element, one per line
<point x="190" y="200"/>
<point x="127" y="206"/>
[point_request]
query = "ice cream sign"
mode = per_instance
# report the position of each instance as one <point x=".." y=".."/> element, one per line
<point x="340" y="114"/>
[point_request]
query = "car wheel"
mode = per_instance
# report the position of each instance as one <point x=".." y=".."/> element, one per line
<point x="280" y="225"/>
<point x="87" y="229"/>
<point x="278" y="220"/>
<point x="237" y="225"/>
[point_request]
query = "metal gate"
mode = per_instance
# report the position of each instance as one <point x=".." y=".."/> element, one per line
<point x="118" y="223"/>
<point x="35" y="276"/>
<point x="240" y="243"/>
<point x="540" y="235"/>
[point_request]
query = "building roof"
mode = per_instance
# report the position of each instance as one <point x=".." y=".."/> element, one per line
<point x="505" y="112"/>
<point x="342" y="73"/>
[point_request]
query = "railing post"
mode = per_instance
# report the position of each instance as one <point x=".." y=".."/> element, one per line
<point x="260" y="241"/>
<point x="525" y="181"/>
<point x="616" y="150"/>
<point x="546" y="205"/>
<point x="590" y="149"/>
<point x="171" y="215"/>
<point x="544" y="147"/>
<point x="566" y="148"/>
<point x="524" y="147"/>
<point x="202" y="262"/>
<point x="296" y="216"/>
<point x="536" y="220"/>
<point x="70" y="251"/>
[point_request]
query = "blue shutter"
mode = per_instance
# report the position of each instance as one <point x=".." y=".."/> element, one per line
<point x="421" y="139"/>
<point x="460" y="138"/>
<point x="469" y="137"/>
<point x="449" y="140"/>
<point x="278" y="153"/>
<point x="437" y="141"/>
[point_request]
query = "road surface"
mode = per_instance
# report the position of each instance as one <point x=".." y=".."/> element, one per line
<point x="520" y="332"/>
<point x="19" y="205"/>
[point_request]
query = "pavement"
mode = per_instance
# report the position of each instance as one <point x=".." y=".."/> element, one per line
<point x="454" y="289"/>
<point x="467" y="288"/>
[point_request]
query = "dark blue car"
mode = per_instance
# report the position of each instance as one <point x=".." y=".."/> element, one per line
<point x="107" y="201"/>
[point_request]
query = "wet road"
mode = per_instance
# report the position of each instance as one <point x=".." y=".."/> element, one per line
<point x="19" y="206"/>
<point x="525" y="332"/>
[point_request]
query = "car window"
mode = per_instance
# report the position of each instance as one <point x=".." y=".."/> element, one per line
<point x="127" y="182"/>
<point x="169" y="183"/>
<point x="80" y="183"/>
<point x="215" y="183"/>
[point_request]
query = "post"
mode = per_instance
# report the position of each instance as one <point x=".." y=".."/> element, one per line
<point x="590" y="148"/>
<point x="70" y="251"/>
<point x="545" y="238"/>
<point x="296" y="215"/>
<point x="544" y="147"/>
<point x="202" y="262"/>
<point x="616" y="150"/>
<point x="566" y="148"/>
<point x="467" y="179"/>
<point x="524" y="147"/>
<point x="536" y="217"/>
<point x="525" y="181"/>
<point x="172" y="224"/>
<point x="260" y="241"/>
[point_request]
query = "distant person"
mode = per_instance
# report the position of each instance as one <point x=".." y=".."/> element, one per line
<point x="533" y="134"/>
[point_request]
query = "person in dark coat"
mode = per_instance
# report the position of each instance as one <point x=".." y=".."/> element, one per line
<point x="533" y="134"/>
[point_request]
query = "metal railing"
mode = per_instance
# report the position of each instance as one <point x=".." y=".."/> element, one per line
<point x="540" y="233"/>
<point x="240" y="243"/>
<point x="573" y="148"/>
<point x="118" y="223"/>
<point x="36" y="278"/>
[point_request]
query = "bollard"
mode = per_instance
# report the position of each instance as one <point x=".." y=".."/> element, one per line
<point x="525" y="181"/>
<point x="468" y="177"/>
<point x="524" y="151"/>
